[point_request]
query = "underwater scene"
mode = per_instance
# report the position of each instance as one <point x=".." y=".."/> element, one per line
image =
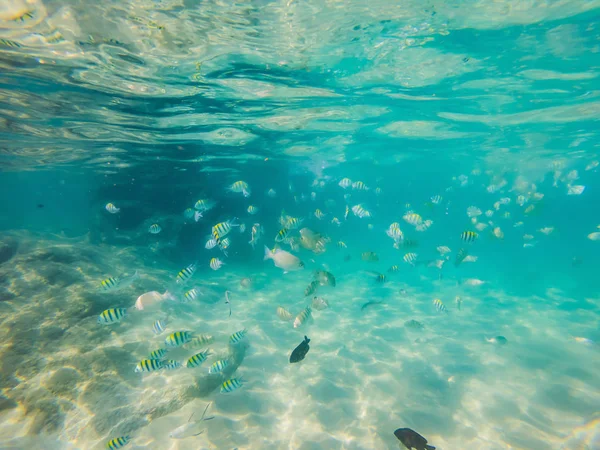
<point x="300" y="225"/>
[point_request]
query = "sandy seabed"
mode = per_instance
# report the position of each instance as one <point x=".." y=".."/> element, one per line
<point x="69" y="383"/>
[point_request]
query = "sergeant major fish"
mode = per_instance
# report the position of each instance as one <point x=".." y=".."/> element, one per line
<point x="302" y="317"/>
<point x="112" y="284"/>
<point x="111" y="315"/>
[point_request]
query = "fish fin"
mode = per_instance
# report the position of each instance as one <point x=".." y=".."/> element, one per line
<point x="205" y="409"/>
<point x="191" y="416"/>
<point x="285" y="271"/>
<point x="198" y="434"/>
<point x="268" y="254"/>
<point x="429" y="447"/>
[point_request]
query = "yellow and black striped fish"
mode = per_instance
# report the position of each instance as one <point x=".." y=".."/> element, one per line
<point x="220" y="230"/>
<point x="468" y="236"/>
<point x="149" y="365"/>
<point x="218" y="366"/>
<point x="199" y="341"/>
<point x="190" y="295"/>
<point x="282" y="235"/>
<point x="178" y="338"/>
<point x="237" y="336"/>
<point x="117" y="443"/>
<point x="231" y="385"/>
<point x="158" y="353"/>
<point x="197" y="359"/>
<point x="112" y="315"/>
<point x="381" y="278"/>
<point x="110" y="283"/>
<point x="186" y="274"/>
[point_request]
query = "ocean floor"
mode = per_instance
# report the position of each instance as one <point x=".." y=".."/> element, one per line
<point x="69" y="382"/>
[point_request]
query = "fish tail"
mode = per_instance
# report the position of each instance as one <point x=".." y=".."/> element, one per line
<point x="268" y="254"/>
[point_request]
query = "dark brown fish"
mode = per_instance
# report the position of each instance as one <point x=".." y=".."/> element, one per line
<point x="300" y="352"/>
<point x="411" y="439"/>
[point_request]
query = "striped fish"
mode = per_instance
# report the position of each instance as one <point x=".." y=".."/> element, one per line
<point x="154" y="228"/>
<point x="112" y="315"/>
<point x="284" y="314"/>
<point x="237" y="336"/>
<point x="412" y="218"/>
<point x="360" y="186"/>
<point x="210" y="244"/>
<point x="117" y="443"/>
<point x="149" y="365"/>
<point x="110" y="283"/>
<point x="302" y="317"/>
<point x="171" y="364"/>
<point x="311" y="288"/>
<point x="222" y="229"/>
<point x="190" y="295"/>
<point x="215" y="263"/>
<point x="224" y="245"/>
<point x="218" y="366"/>
<point x="199" y="341"/>
<point x="159" y="326"/>
<point x="197" y="359"/>
<point x="178" y="338"/>
<point x="439" y="305"/>
<point x="112" y="208"/>
<point x="240" y="186"/>
<point x="231" y="385"/>
<point x="186" y="274"/>
<point x="158" y="353"/>
<point x="468" y="236"/>
<point x="293" y="222"/>
<point x="282" y="235"/>
<point x="410" y="258"/>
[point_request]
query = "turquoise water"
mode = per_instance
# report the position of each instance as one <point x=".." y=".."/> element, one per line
<point x="468" y="116"/>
